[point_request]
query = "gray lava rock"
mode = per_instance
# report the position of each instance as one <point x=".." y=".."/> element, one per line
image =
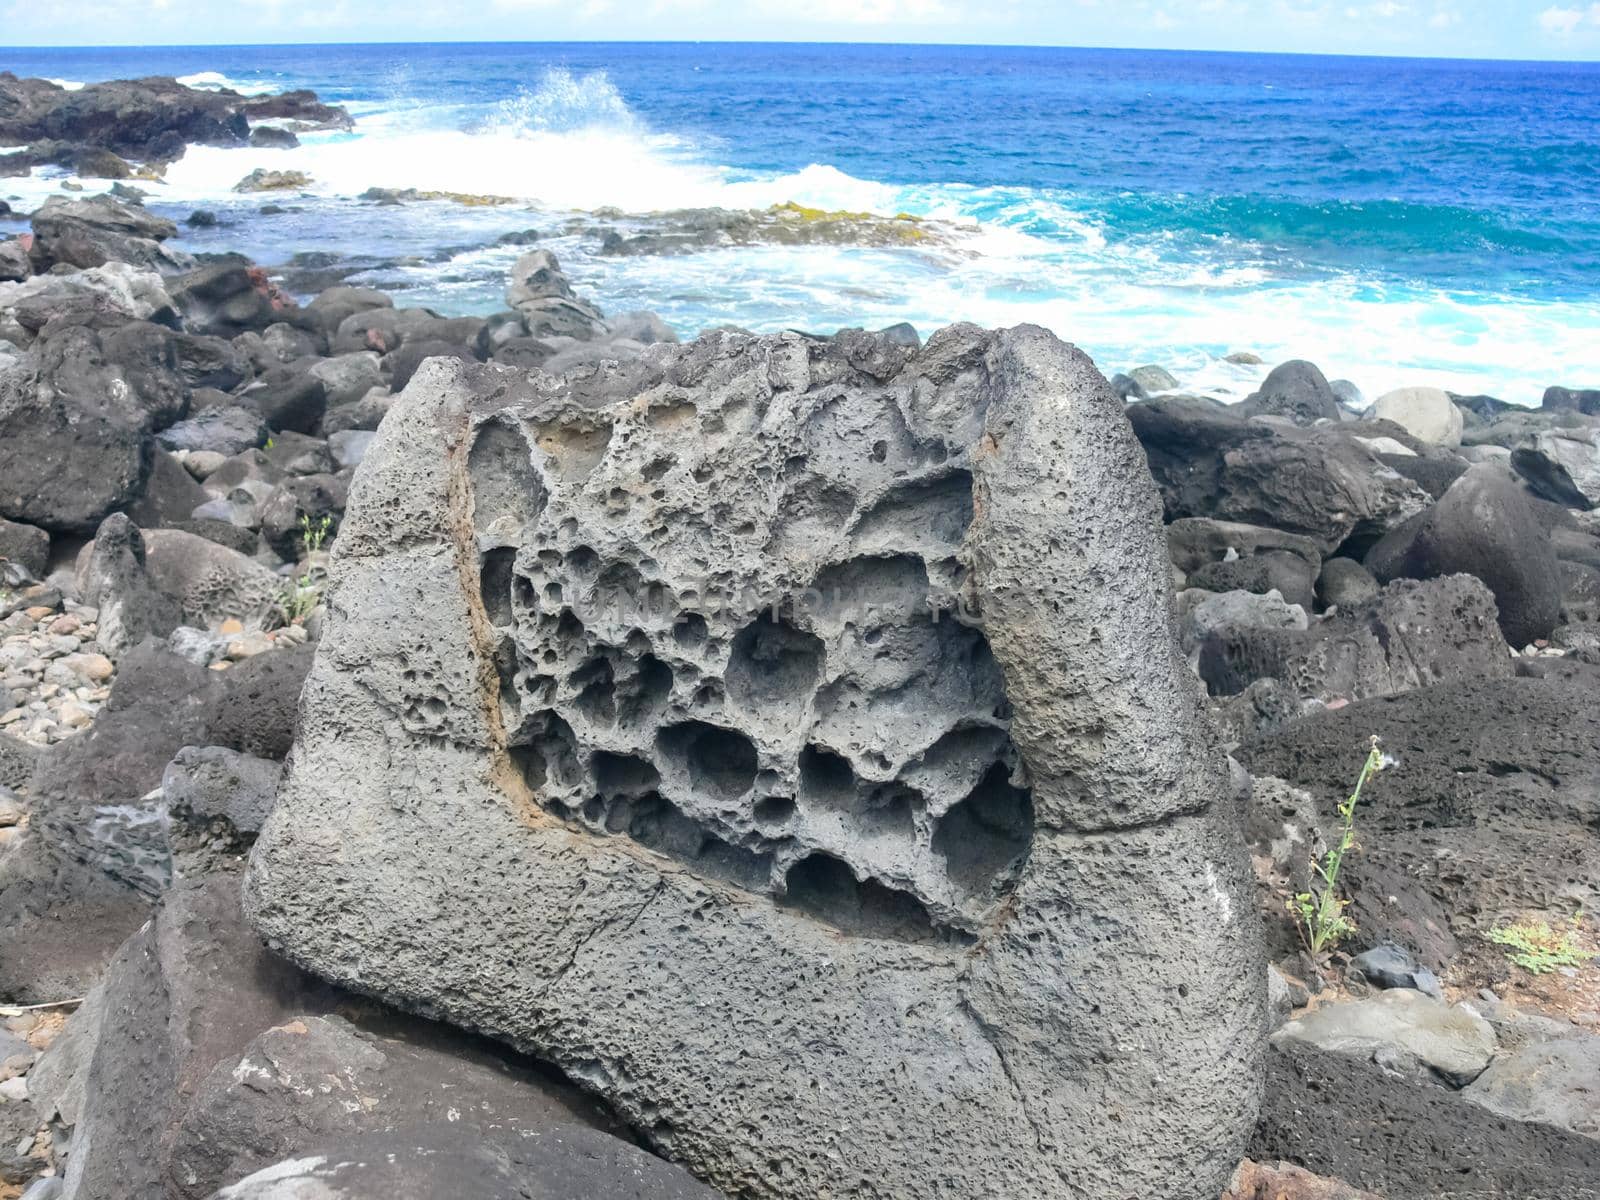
<point x="1270" y="571"/>
<point x="562" y="1163"/>
<point x="189" y="990"/>
<point x="538" y="290"/>
<point x="1551" y="1082"/>
<point x="348" y="377"/>
<point x="295" y="499"/>
<point x="1320" y="483"/>
<point x="274" y="1100"/>
<point x="1411" y="635"/>
<point x="1562" y="465"/>
<point x="333" y="305"/>
<point x="170" y="494"/>
<point x="254" y="708"/>
<point x="1404" y="1032"/>
<point x="541" y="718"/>
<point x="1193" y="542"/>
<point x="289" y="397"/>
<point x="227" y="299"/>
<point x="94" y="230"/>
<point x="1391" y="967"/>
<point x="115" y="580"/>
<point x="205" y="782"/>
<point x="349" y="446"/>
<point x="1297" y="390"/>
<point x="25" y="545"/>
<point x="74" y="418"/>
<point x="1484" y="526"/>
<point x="1202" y="614"/>
<point x="363" y="414"/>
<point x="228" y="431"/>
<point x="1428" y="414"/>
<point x="1345" y="583"/>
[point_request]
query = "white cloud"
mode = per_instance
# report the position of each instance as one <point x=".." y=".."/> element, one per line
<point x="1564" y="22"/>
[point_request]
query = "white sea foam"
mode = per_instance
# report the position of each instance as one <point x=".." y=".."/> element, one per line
<point x="216" y="80"/>
<point x="71" y="85"/>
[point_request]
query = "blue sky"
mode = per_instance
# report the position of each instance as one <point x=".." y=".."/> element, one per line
<point x="1563" y="29"/>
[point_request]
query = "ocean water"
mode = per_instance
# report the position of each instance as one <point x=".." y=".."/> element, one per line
<point x="1397" y="221"/>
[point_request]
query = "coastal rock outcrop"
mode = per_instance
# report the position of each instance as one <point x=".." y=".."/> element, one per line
<point x="798" y="722"/>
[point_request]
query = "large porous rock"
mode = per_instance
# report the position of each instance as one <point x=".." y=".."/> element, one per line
<point x="1562" y="465"/>
<point x="1297" y="390"/>
<point x="1321" y="483"/>
<point x="1484" y="526"/>
<point x="806" y="738"/>
<point x="1427" y="414"/>
<point x="559" y="1163"/>
<point x="274" y="1100"/>
<point x="255" y="705"/>
<point x="1490" y="803"/>
<point x="203" y="784"/>
<point x="75" y="417"/>
<point x="100" y="229"/>
<point x="1410" y="635"/>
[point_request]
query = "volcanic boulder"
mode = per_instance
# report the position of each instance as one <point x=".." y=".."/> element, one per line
<point x="786" y="726"/>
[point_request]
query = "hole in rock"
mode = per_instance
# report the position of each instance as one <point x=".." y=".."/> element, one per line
<point x="718" y="761"/>
<point x="623" y="774"/>
<point x="986" y="835"/>
<point x="772" y="666"/>
<point x="929" y="511"/>
<point x="574" y="448"/>
<point x="506" y="489"/>
<point x="826" y="888"/>
<point x="826" y="776"/>
<point x="597" y="696"/>
<point x="550" y="757"/>
<point x="641" y="694"/>
<point x="494" y="585"/>
<point x="690" y="631"/>
<point x="774" y="811"/>
<point x="658" y="824"/>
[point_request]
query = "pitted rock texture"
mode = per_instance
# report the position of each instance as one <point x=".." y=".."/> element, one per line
<point x="784" y="736"/>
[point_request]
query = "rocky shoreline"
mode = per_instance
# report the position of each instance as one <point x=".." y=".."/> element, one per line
<point x="959" y="851"/>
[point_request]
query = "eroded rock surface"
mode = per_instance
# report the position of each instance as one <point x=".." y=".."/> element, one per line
<point x="783" y="737"/>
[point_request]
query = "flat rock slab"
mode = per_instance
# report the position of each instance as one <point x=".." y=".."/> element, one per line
<point x="784" y="737"/>
<point x="1401" y="1029"/>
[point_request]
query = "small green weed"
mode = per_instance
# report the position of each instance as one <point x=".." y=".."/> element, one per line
<point x="1535" y="946"/>
<point x="300" y="599"/>
<point x="1319" y="914"/>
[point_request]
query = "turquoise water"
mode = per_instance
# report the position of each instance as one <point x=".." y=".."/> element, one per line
<point x="1399" y="221"/>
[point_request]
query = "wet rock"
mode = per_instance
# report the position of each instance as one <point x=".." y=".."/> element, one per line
<point x="384" y="329"/>
<point x="538" y="290"/>
<point x="332" y="305"/>
<point x="210" y="362"/>
<point x="739" y="790"/>
<point x="562" y="1163"/>
<point x="1483" y="526"/>
<point x="264" y="180"/>
<point x="1297" y="390"/>
<point x="1411" y="635"/>
<point x="273" y="138"/>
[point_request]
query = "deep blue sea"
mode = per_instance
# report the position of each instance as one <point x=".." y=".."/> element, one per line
<point x="1398" y="221"/>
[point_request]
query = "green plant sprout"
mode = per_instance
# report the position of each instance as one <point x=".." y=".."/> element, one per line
<point x="1536" y="947"/>
<point x="298" y="601"/>
<point x="1319" y="913"/>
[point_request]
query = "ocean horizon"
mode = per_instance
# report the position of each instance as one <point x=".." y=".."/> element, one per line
<point x="1398" y="221"/>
